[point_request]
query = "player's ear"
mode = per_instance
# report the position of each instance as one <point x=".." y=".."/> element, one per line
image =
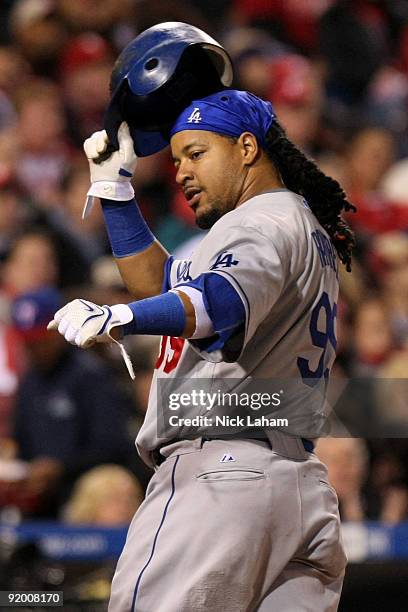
<point x="249" y="148"/>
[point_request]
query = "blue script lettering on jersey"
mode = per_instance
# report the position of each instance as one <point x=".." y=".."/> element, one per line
<point x="326" y="250"/>
<point x="224" y="260"/>
<point x="183" y="271"/>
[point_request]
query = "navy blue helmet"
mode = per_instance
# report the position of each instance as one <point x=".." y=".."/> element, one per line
<point x="156" y="76"/>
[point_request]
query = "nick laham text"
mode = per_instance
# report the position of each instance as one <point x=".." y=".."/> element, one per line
<point x="226" y="421"/>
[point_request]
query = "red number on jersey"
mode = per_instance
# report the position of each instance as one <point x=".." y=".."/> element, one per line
<point x="170" y="353"/>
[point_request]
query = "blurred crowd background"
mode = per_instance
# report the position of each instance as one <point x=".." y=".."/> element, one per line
<point x="336" y="72"/>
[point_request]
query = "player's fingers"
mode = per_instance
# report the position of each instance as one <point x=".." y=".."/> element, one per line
<point x="63" y="326"/>
<point x="90" y="147"/>
<point x="84" y="341"/>
<point x="124" y="133"/>
<point x="61" y="312"/>
<point x="95" y="144"/>
<point x="101" y="141"/>
<point x="70" y="334"/>
<point x="125" y="144"/>
<point x="52" y="325"/>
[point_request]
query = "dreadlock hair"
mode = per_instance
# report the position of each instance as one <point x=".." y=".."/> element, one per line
<point x="323" y="194"/>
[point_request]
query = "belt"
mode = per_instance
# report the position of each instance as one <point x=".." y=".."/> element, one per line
<point x="159" y="458"/>
<point x="308" y="445"/>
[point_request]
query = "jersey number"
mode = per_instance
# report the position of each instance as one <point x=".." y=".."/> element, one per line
<point x="320" y="339"/>
<point x="170" y="353"/>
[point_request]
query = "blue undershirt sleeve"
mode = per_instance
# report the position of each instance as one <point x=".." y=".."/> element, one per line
<point x="162" y="315"/>
<point x="128" y="232"/>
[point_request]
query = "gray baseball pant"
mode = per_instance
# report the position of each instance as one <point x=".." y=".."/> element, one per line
<point x="233" y="527"/>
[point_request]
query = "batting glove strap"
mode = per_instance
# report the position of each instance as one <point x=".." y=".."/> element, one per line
<point x="117" y="192"/>
<point x="112" y="190"/>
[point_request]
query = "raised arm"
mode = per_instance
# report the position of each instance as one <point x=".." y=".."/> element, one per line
<point x="207" y="309"/>
<point x="139" y="256"/>
<point x="143" y="272"/>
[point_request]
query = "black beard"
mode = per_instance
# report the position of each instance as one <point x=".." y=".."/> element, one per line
<point x="207" y="220"/>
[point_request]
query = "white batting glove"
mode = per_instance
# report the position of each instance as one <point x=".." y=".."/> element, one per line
<point x="83" y="323"/>
<point x="111" y="178"/>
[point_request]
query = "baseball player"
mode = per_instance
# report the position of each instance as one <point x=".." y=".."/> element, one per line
<point x="228" y="524"/>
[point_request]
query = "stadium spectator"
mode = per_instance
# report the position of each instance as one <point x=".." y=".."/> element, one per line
<point x="367" y="158"/>
<point x="347" y="464"/>
<point x="13" y="69"/>
<point x="39" y="33"/>
<point x="391" y="395"/>
<point x="296" y="93"/>
<point x="373" y="338"/>
<point x="42" y="254"/>
<point x="353" y="41"/>
<point x="252" y="50"/>
<point x="12" y="363"/>
<point x="370" y="153"/>
<point x="70" y="414"/>
<point x="106" y="495"/>
<point x="31" y="264"/>
<point x="12" y="212"/>
<point x="389" y="261"/>
<point x="88" y="235"/>
<point x="294" y="21"/>
<point x="394" y="185"/>
<point x="7" y="113"/>
<point x="106" y="280"/>
<point x="348" y="460"/>
<point x="386" y="103"/>
<point x="85" y="15"/>
<point x="85" y="69"/>
<point x="156" y="189"/>
<point x="43" y="149"/>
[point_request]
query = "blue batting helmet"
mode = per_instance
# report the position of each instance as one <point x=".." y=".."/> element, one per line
<point x="157" y="75"/>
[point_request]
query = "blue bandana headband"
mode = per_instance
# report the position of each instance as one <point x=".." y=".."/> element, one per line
<point x="229" y="112"/>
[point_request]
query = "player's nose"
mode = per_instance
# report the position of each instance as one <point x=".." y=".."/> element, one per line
<point x="184" y="173"/>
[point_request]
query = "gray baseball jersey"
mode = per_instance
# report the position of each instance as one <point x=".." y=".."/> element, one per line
<point x="282" y="264"/>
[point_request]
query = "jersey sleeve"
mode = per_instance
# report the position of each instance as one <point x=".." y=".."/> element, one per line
<point x="225" y="312"/>
<point x="255" y="265"/>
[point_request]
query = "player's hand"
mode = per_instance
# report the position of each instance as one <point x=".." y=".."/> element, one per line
<point x="83" y="323"/>
<point x="110" y="179"/>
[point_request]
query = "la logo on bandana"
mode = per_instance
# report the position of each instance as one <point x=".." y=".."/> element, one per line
<point x="195" y="116"/>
